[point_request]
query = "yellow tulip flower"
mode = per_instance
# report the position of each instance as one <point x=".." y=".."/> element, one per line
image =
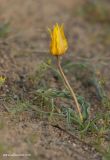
<point x="58" y="45"/>
<point x="2" y="80"/>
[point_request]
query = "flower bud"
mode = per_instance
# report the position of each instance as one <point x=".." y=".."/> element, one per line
<point x="58" y="45"/>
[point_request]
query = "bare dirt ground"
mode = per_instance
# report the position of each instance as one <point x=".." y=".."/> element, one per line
<point x="25" y="47"/>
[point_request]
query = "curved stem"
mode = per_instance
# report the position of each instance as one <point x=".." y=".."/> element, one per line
<point x="69" y="87"/>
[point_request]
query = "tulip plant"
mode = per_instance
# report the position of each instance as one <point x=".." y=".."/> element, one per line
<point x="58" y="46"/>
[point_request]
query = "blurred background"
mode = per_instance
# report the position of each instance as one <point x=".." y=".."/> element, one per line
<point x="29" y="19"/>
